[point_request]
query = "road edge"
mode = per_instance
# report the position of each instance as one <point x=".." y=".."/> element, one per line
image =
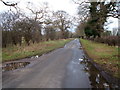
<point x="106" y="75"/>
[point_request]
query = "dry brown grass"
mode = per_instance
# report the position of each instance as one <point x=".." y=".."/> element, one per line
<point x="18" y="52"/>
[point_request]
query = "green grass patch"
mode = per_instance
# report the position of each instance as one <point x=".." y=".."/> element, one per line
<point x="104" y="55"/>
<point x="19" y="52"/>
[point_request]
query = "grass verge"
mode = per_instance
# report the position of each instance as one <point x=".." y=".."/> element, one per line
<point x="106" y="56"/>
<point x="19" y="52"/>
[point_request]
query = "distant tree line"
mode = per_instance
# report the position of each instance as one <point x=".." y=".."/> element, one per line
<point x="44" y="25"/>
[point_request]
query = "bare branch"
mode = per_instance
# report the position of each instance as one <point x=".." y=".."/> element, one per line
<point x="12" y="4"/>
<point x="80" y="2"/>
<point x="31" y="10"/>
<point x="37" y="13"/>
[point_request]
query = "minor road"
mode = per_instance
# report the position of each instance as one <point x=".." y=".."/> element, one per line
<point x="62" y="68"/>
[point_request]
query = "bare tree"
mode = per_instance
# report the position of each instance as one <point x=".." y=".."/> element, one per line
<point x="83" y="10"/>
<point x="62" y="22"/>
<point x="7" y="21"/>
<point x="80" y="30"/>
<point x="50" y="32"/>
<point x="38" y="13"/>
<point x="36" y="31"/>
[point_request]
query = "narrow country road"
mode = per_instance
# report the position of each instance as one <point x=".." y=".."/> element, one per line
<point x="62" y="68"/>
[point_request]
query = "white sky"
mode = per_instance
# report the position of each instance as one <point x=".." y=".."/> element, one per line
<point x="112" y="25"/>
<point x="66" y="5"/>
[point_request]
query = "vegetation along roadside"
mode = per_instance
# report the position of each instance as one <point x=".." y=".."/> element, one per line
<point x="106" y="56"/>
<point x="19" y="52"/>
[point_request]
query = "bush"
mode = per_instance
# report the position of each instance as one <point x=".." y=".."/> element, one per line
<point x="110" y="40"/>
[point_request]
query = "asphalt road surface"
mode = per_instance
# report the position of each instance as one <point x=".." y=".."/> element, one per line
<point x="61" y="68"/>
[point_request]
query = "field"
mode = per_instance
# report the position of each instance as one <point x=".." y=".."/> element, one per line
<point x="106" y="56"/>
<point x="19" y="52"/>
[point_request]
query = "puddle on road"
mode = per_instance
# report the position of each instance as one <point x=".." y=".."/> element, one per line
<point x="14" y="65"/>
<point x="96" y="79"/>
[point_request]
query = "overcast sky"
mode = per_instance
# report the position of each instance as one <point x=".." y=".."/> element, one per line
<point x="66" y="5"/>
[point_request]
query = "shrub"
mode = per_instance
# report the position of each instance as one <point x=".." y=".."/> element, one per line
<point x="110" y="40"/>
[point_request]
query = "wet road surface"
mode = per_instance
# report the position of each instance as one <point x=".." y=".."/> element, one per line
<point x="66" y="67"/>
